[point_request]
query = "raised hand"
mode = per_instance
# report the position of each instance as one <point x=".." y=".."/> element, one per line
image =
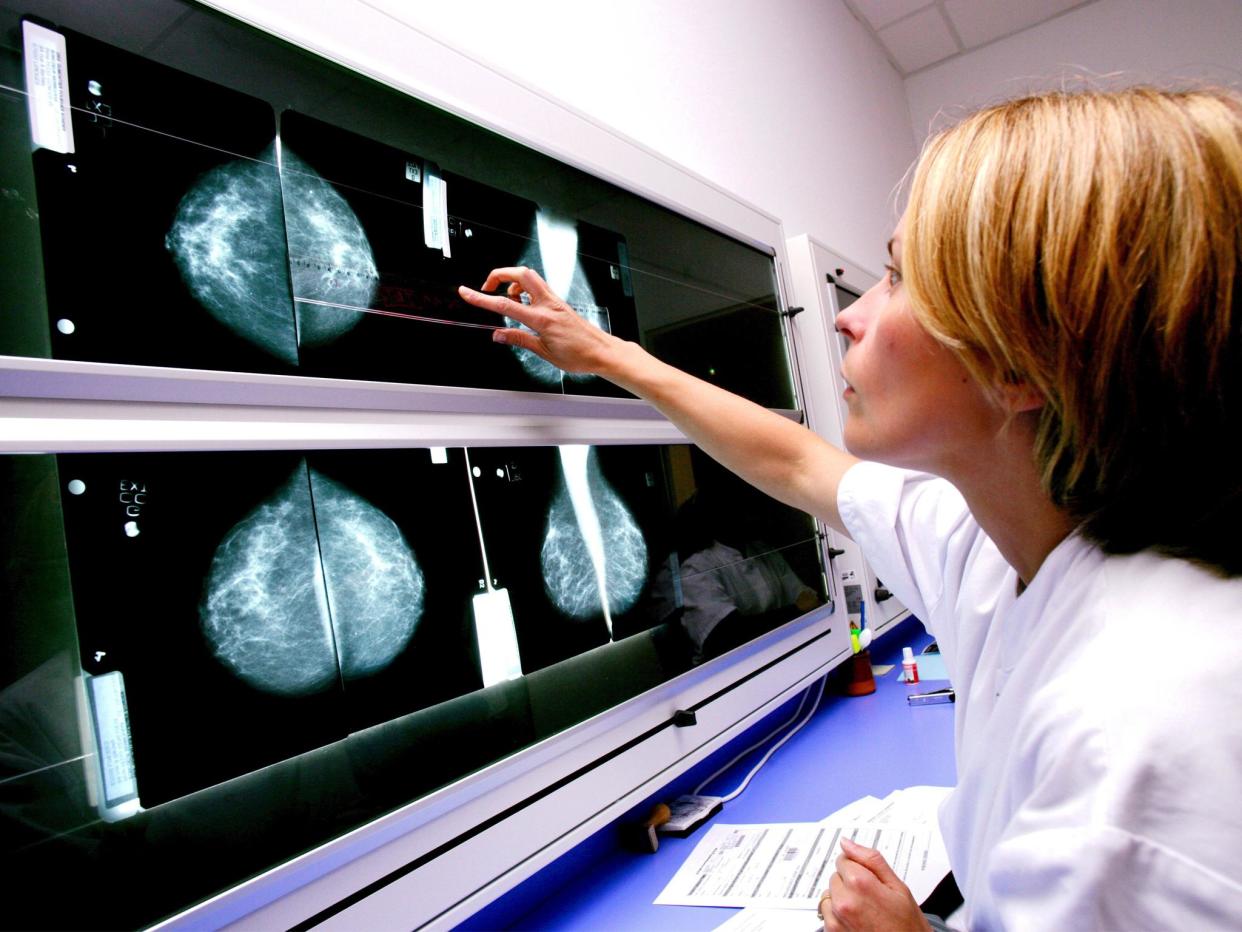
<point x="556" y="333"/>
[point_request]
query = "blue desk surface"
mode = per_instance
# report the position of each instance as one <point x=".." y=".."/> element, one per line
<point x="852" y="747"/>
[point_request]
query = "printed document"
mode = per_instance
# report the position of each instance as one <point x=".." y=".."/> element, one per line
<point x="787" y="865"/>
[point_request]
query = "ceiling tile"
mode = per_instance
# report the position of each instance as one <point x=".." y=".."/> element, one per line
<point x="919" y="40"/>
<point x="980" y="21"/>
<point x="880" y="13"/>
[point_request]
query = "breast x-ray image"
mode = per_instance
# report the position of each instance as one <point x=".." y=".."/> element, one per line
<point x="400" y="554"/>
<point x="376" y="297"/>
<point x="379" y="240"/>
<point x="163" y="235"/>
<point x="572" y="533"/>
<point x="195" y="578"/>
<point x="236" y="609"/>
<point x="588" y="267"/>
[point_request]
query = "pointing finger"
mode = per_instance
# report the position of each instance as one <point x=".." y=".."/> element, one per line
<point x="528" y="278"/>
<point x="500" y="304"/>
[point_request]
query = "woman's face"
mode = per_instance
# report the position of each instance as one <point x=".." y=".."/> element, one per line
<point x="911" y="402"/>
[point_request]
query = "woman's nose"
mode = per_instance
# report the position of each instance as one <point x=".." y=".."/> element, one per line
<point x="851" y="321"/>
<point x="847" y="323"/>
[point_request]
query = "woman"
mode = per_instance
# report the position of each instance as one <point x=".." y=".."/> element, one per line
<point x="1051" y="370"/>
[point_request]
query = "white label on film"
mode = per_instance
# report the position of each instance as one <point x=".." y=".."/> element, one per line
<point x="116" y="756"/>
<point x="435" y="211"/>
<point x="47" y="88"/>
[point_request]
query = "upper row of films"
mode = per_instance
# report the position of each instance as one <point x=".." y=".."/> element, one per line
<point x="220" y="235"/>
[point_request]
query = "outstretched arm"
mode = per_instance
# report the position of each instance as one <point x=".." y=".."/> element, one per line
<point x="781" y="458"/>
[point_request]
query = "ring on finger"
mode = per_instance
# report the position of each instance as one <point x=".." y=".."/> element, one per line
<point x="819" y="910"/>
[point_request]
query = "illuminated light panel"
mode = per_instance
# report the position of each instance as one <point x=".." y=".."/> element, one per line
<point x="594" y="556"/>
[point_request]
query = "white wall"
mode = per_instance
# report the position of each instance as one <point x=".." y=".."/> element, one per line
<point x="788" y="103"/>
<point x="1162" y="41"/>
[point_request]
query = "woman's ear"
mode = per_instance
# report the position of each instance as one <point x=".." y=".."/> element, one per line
<point x="1018" y="396"/>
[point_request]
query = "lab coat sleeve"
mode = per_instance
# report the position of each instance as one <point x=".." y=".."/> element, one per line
<point x="1102" y="877"/>
<point x="1123" y="798"/>
<point x="916" y="532"/>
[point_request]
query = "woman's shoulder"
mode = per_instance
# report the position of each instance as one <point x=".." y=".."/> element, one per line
<point x="1135" y="657"/>
<point x="1175" y="601"/>
<point x="1138" y="718"/>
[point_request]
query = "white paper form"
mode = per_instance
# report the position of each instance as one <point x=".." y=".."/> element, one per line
<point x="860" y="810"/>
<point x="915" y="805"/>
<point x="787" y="865"/>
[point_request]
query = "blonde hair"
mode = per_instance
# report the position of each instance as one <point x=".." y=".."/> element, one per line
<point x="1087" y="245"/>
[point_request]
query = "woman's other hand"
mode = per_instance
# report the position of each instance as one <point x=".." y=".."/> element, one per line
<point x="865" y="895"/>
<point x="556" y="333"/>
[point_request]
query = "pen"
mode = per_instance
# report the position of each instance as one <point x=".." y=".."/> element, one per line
<point x="933" y="697"/>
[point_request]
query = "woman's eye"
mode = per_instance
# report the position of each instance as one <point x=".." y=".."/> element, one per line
<point x="894" y="276"/>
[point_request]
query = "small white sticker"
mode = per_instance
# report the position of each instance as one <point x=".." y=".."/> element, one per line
<point x="47" y="87"/>
<point x="439" y="454"/>
<point x="412" y="172"/>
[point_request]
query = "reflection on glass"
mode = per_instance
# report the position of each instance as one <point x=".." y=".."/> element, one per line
<point x="740" y="565"/>
<point x="733" y="591"/>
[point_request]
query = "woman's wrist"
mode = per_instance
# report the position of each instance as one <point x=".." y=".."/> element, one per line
<point x="622" y="363"/>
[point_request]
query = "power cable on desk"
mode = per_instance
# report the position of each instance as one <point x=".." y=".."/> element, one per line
<point x="686" y="813"/>
<point x="754" y="770"/>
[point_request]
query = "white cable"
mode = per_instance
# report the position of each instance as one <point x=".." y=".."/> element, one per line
<point x="767" y="737"/>
<point x="772" y="750"/>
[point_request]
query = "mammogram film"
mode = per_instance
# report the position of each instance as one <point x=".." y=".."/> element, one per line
<point x="401" y="289"/>
<point x="594" y="557"/>
<point x="572" y="533"/>
<point x="259" y="605"/>
<point x="163" y="235"/>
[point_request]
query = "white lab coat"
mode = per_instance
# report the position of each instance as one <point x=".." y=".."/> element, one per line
<point x="1098" y="720"/>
